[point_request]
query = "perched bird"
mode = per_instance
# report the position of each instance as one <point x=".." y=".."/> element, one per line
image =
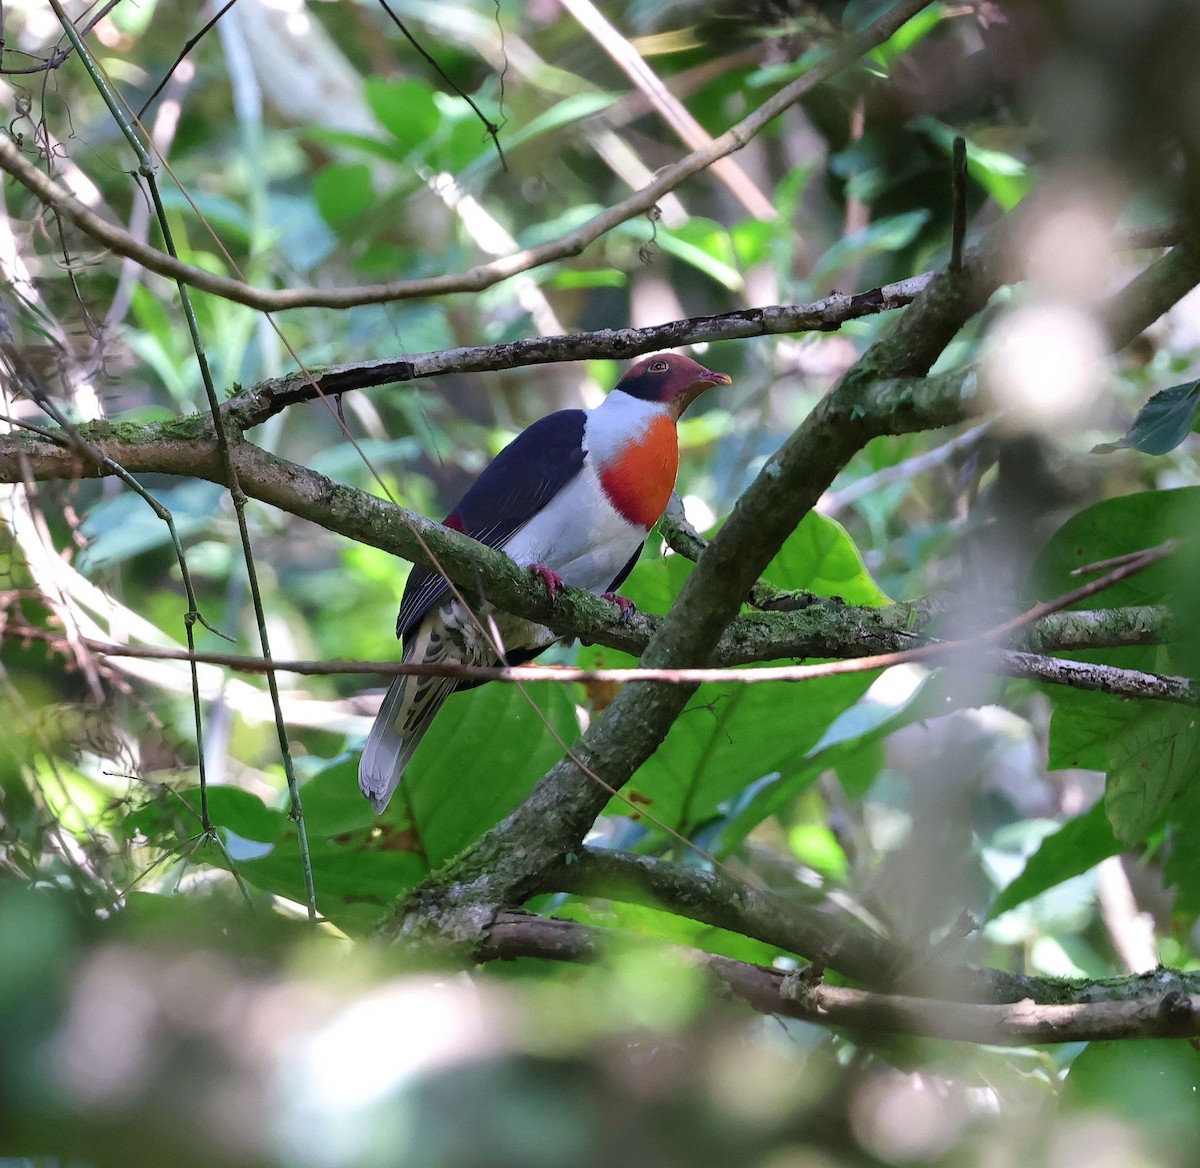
<point x="572" y="498"/>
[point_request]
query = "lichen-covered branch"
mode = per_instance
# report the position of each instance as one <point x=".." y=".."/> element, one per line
<point x="1166" y="1006"/>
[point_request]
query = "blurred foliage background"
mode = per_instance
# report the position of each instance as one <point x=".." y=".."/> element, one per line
<point x="159" y="997"/>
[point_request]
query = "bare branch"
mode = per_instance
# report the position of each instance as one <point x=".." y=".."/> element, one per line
<point x="259" y="402"/>
<point x="973" y="656"/>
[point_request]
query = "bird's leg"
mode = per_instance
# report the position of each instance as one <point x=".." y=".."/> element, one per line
<point x="627" y="607"/>
<point x="553" y="580"/>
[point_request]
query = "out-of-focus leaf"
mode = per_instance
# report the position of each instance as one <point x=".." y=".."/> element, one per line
<point x="124" y="526"/>
<point x="406" y="109"/>
<point x="1078" y="846"/>
<point x="1149" y="762"/>
<point x="343" y="191"/>
<point x="1162" y="423"/>
<point x="706" y="246"/>
<point x="1152" y="1086"/>
<point x="884" y="235"/>
<point x="1005" y="177"/>
<point x="564" y="113"/>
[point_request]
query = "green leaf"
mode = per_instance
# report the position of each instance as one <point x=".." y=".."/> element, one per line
<point x="1077" y="847"/>
<point x="730" y="736"/>
<point x="240" y="811"/>
<point x="884" y="235"/>
<point x="1153" y="1085"/>
<point x="819" y="556"/>
<point x="406" y="109"/>
<point x="1162" y="423"/>
<point x="1004" y="176"/>
<point x="564" y="113"/>
<point x="706" y="246"/>
<point x="124" y="526"/>
<point x="1149" y="762"/>
<point x="343" y="191"/>
<point x="1117" y="527"/>
<point x="1083" y="726"/>
<point x="481" y="757"/>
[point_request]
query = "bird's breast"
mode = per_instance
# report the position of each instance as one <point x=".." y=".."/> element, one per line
<point x="639" y="476"/>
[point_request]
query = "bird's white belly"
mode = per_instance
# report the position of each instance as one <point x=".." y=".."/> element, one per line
<point x="579" y="535"/>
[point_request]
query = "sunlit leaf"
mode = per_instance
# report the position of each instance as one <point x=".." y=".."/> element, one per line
<point x="1078" y="846"/>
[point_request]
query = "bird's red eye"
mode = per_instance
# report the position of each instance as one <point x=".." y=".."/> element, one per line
<point x="658" y="367"/>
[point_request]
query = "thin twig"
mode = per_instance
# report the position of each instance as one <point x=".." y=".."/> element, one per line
<point x="1125" y="566"/>
<point x="965" y="654"/>
<point x="958" y="203"/>
<point x="146" y="170"/>
<point x="188" y="46"/>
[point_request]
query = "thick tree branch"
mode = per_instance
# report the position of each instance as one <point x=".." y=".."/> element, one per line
<point x="818" y="929"/>
<point x="504" y="865"/>
<point x="885" y="392"/>
<point x="482" y="275"/>
<point x="1165" y="1006"/>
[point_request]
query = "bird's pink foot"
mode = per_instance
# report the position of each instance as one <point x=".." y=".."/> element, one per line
<point x="627" y="607"/>
<point x="553" y="580"/>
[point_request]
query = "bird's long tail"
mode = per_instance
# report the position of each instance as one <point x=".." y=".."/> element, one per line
<point x="407" y="711"/>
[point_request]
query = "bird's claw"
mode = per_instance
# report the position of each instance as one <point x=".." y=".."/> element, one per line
<point x="552" y="579"/>
<point x="627" y="607"/>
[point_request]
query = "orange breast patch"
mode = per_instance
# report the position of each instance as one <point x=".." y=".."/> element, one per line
<point x="639" y="481"/>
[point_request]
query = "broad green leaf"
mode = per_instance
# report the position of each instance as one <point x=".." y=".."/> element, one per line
<point x="239" y="811"/>
<point x="1083" y="723"/>
<point x="343" y="191"/>
<point x="891" y="700"/>
<point x="1182" y="868"/>
<point x="1152" y="1085"/>
<point x="1162" y="423"/>
<point x="1114" y="527"/>
<point x="406" y="109"/>
<point x="730" y="736"/>
<point x="819" y="556"/>
<point x="1149" y="762"/>
<point x="481" y="757"/>
<point x="1077" y="847"/>
<point x="1083" y="726"/>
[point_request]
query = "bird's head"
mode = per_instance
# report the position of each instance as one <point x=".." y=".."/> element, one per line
<point x="671" y="379"/>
